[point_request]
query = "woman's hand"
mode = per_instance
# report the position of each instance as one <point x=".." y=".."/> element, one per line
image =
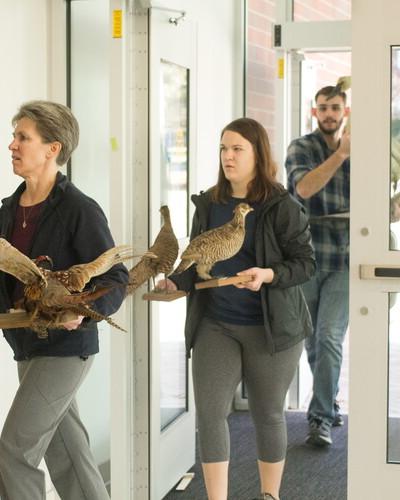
<point x="166" y="285"/>
<point x="260" y="276"/>
<point x="73" y="324"/>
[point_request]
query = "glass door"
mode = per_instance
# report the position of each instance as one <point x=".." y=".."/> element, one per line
<point x="172" y="142"/>
<point x="312" y="49"/>
<point x="310" y="71"/>
<point x="375" y="284"/>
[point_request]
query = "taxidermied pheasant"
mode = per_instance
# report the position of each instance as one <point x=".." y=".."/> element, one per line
<point x="54" y="297"/>
<point x="217" y="244"/>
<point x="343" y="84"/>
<point x="160" y="257"/>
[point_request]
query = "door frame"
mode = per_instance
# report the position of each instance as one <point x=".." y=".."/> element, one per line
<point x="369" y="474"/>
<point x="175" y="43"/>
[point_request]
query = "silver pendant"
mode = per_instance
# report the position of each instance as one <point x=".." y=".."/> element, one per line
<point x="24" y="225"/>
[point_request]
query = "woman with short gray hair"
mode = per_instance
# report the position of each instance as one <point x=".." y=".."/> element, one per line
<point x="48" y="215"/>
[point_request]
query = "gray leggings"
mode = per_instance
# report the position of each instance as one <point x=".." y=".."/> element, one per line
<point x="223" y="354"/>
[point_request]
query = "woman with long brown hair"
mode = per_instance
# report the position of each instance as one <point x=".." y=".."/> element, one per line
<point x="253" y="331"/>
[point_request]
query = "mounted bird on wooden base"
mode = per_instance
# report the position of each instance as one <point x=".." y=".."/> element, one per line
<point x="159" y="258"/>
<point x="52" y="298"/>
<point x="217" y="244"/>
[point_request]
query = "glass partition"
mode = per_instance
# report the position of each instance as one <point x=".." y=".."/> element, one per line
<point x="394" y="241"/>
<point x="174" y="175"/>
<point x="393" y="450"/>
<point x="173" y="369"/>
<point x="317" y="10"/>
<point x="174" y="144"/>
<point x="393" y="433"/>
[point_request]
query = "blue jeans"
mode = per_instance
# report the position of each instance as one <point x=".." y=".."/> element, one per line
<point x="327" y="295"/>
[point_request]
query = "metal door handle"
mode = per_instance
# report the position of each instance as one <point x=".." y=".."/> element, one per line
<point x="376" y="272"/>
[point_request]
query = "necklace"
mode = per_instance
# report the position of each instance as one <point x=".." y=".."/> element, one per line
<point x="26" y="217"/>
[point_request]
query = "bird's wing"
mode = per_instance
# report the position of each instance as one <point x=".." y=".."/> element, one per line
<point x="166" y="247"/>
<point x="14" y="262"/>
<point x="211" y="245"/>
<point x="76" y="277"/>
<point x="65" y="301"/>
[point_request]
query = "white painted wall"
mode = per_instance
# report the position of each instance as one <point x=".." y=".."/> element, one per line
<point x="220" y="78"/>
<point x="23" y="56"/>
<point x="32" y="54"/>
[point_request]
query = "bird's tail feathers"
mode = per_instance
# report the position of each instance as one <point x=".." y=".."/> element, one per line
<point x="86" y="311"/>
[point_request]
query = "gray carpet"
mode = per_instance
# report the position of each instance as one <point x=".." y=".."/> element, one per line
<point x="310" y="473"/>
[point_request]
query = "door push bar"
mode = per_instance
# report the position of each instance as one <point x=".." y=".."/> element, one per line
<point x="376" y="272"/>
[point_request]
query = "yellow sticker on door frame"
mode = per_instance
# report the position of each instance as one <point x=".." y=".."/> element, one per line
<point x="117" y="24"/>
<point x="281" y="68"/>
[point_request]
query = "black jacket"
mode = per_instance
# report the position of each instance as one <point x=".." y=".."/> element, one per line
<point x="283" y="243"/>
<point x="72" y="230"/>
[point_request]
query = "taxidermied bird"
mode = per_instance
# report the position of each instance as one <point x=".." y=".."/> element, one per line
<point x="160" y="257"/>
<point x="343" y="84"/>
<point x="217" y="244"/>
<point x="54" y="297"/>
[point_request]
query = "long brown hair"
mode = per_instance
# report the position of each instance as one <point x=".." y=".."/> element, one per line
<point x="264" y="182"/>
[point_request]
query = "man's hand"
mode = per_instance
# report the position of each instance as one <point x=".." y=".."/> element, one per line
<point x="344" y="147"/>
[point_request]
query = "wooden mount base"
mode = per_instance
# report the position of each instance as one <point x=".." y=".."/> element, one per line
<point x="164" y="296"/>
<point x="20" y="319"/>
<point x="217" y="282"/>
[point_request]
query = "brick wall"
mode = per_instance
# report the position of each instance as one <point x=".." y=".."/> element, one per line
<point x="260" y="92"/>
<point x="261" y="63"/>
<point x="321" y="10"/>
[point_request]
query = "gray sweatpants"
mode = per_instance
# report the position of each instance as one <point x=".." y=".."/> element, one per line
<point x="223" y="354"/>
<point x="44" y="422"/>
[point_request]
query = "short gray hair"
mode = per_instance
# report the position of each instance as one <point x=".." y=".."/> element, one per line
<point x="54" y="122"/>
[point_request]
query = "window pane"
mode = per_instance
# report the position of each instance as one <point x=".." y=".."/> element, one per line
<point x="174" y="144"/>
<point x="393" y="452"/>
<point x="394" y="240"/>
<point x="173" y="370"/>
<point x="174" y="169"/>
<point x="319" y="10"/>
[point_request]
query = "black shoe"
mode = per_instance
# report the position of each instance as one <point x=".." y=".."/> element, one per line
<point x="338" y="419"/>
<point x="319" y="433"/>
<point x="265" y="496"/>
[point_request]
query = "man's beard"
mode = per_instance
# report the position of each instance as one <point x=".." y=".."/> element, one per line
<point x="330" y="131"/>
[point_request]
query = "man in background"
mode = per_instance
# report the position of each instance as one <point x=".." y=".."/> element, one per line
<point x="318" y="170"/>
